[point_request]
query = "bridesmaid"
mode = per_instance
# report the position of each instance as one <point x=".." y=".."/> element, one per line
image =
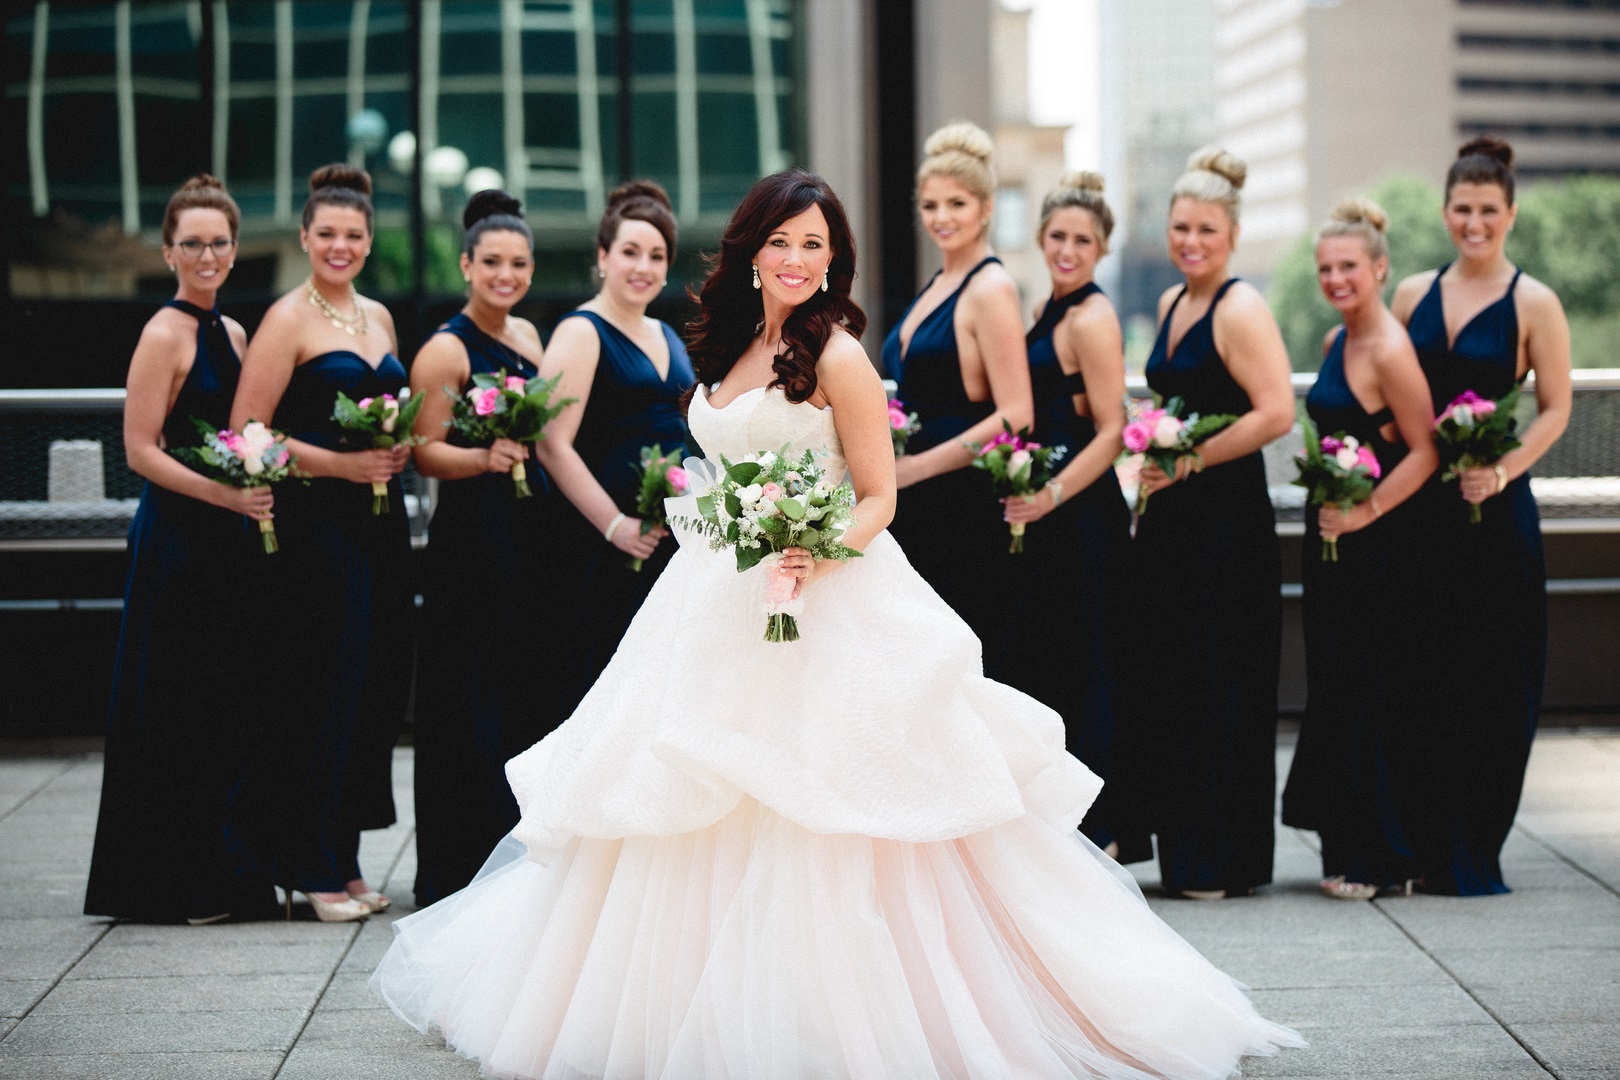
<point x="167" y="848"/>
<point x="1058" y="645"/>
<point x="628" y="372"/>
<point x="1352" y="771"/>
<point x="1209" y="603"/>
<point x="958" y="354"/>
<point x="1480" y="324"/>
<point x="474" y="704"/>
<point x="345" y="591"/>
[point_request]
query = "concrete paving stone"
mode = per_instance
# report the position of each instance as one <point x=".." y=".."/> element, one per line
<point x="223" y="957"/>
<point x="1592" y="999"/>
<point x="428" y="1062"/>
<point x="183" y="993"/>
<point x="1525" y="918"/>
<point x="44" y="948"/>
<point x="1551" y="825"/>
<point x="1313" y="1008"/>
<point x="349" y="990"/>
<point x="258" y="1030"/>
<point x="1350" y="1053"/>
<point x="1575" y="1046"/>
<point x="1491" y="965"/>
<point x="1289" y="966"/>
<point x="362" y="1027"/>
<point x="17" y="996"/>
<point x="368" y="948"/>
<point x="60" y="898"/>
<point x="7" y="1023"/>
<point x="144" y="1067"/>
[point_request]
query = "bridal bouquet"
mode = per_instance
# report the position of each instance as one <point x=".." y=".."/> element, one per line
<point x="378" y="423"/>
<point x="254" y="457"/>
<point x="1162" y="435"/>
<point x="660" y="478"/>
<point x="766" y="503"/>
<point x="1338" y="470"/>
<point x="1018" y="468"/>
<point x="506" y="407"/>
<point x="1474" y="433"/>
<point x="902" y="425"/>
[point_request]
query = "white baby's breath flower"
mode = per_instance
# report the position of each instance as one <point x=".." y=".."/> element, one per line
<point x="749" y="495"/>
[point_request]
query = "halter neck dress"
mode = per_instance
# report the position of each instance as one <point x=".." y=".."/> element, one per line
<point x="346" y="596"/>
<point x="474" y="704"/>
<point x="1476" y="743"/>
<point x="1067" y="586"/>
<point x="1208" y="564"/>
<point x="949" y="525"/>
<point x="1352" y="776"/>
<point x="169" y="844"/>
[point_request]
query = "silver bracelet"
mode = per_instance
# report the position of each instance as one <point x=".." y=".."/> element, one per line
<point x="607" y="533"/>
<point x="1057" y="492"/>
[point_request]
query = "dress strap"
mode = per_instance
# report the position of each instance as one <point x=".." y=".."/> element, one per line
<point x="1517" y="274"/>
<point x="200" y="314"/>
<point x="1220" y="292"/>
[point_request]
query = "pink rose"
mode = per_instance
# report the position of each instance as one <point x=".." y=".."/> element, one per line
<point x="364" y="403"/>
<point x="485" y="400"/>
<point x="1368" y="460"/>
<point x="1137" y="436"/>
<point x="772" y="491"/>
<point x="281" y="457"/>
<point x="676" y="478"/>
<point x="515" y="383"/>
<point x="1484" y="408"/>
<point x="897" y="419"/>
<point x="1018" y="459"/>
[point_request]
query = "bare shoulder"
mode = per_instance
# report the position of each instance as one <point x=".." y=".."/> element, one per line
<point x="1410" y="291"/>
<point x="842" y="358"/>
<point x="1167" y="298"/>
<point x="529" y="333"/>
<point x="167" y="328"/>
<point x="439" y="349"/>
<point x="1537" y="299"/>
<point x="377" y="313"/>
<point x="283" y="314"/>
<point x="993" y="285"/>
<point x="1327" y="338"/>
<point x="237" y="333"/>
<point x="574" y="337"/>
<point x="1094" y="310"/>
<point x="1393" y="349"/>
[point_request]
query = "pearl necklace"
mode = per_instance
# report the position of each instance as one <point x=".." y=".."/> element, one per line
<point x="352" y="325"/>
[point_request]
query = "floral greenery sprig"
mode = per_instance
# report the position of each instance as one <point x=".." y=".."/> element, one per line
<point x="1337" y="469"/>
<point x="506" y="407"/>
<point x="1162" y="435"/>
<point x="1473" y="433"/>
<point x="379" y="423"/>
<point x="767" y="503"/>
<point x="902" y="425"/>
<point x="660" y="477"/>
<point x="1018" y="467"/>
<point x="255" y="457"/>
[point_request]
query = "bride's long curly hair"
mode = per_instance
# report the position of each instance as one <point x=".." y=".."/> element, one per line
<point x="730" y="309"/>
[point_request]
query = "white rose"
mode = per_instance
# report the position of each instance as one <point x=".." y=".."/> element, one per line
<point x="1463" y="415"/>
<point x="749" y="495"/>
<point x="253" y="464"/>
<point x="1346" y="457"/>
<point x="256" y="438"/>
<point x="1167" y="432"/>
<point x="390" y="414"/>
<point x="1351" y="442"/>
<point x="766" y="460"/>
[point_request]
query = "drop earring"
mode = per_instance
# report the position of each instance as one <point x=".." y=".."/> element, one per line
<point x="756" y="275"/>
<point x="172" y="270"/>
<point x="823" y="282"/>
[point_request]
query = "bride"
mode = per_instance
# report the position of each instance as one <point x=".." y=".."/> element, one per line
<point x="846" y="856"/>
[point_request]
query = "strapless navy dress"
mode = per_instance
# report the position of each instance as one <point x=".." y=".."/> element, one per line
<point x="1060" y="643"/>
<point x="1353" y="778"/>
<point x="346" y="603"/>
<point x="1204" y="672"/>
<point x="474" y="705"/>
<point x="1480" y="695"/>
<point x="950" y="525"/>
<point x="169" y="844"/>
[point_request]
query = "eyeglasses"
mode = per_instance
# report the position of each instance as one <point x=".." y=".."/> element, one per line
<point x="193" y="249"/>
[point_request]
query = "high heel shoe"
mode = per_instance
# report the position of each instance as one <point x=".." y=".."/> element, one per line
<point x="347" y="910"/>
<point x="373" y="899"/>
<point x="1337" y="888"/>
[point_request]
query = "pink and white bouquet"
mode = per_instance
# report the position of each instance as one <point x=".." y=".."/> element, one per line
<point x="766" y="503"/>
<point x="254" y="457"/>
<point x="1162" y="435"/>
<point x="1338" y="469"/>
<point x="902" y="425"/>
<point x="379" y="423"/>
<point x="661" y="477"/>
<point x="1473" y="433"/>
<point x="1018" y="468"/>
<point x="506" y="407"/>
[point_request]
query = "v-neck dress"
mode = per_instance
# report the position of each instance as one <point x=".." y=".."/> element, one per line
<point x="630" y="407"/>
<point x="950" y="525"/>
<point x="1209" y="572"/>
<point x="1481" y="690"/>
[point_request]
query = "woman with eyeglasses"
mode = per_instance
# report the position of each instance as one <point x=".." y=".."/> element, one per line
<point x="167" y="849"/>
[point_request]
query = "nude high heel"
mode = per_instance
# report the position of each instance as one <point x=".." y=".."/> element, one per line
<point x="348" y="910"/>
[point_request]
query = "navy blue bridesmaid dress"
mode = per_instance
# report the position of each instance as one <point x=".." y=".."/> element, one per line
<point x="1480" y="690"/>
<point x="1208" y="613"/>
<point x="347" y="604"/>
<point x="630" y="407"/>
<point x="169" y="844"/>
<point x="1060" y="643"/>
<point x="949" y="525"/>
<point x="1352" y="777"/>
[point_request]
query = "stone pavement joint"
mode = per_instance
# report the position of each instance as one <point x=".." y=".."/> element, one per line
<point x="1422" y="988"/>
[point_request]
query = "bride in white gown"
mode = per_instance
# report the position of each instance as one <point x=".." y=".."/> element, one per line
<point x="846" y="856"/>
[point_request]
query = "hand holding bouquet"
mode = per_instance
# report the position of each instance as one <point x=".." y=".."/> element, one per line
<point x="1337" y="470"/>
<point x="506" y="407"/>
<point x="1474" y="433"/>
<point x="379" y="423"/>
<point x="1163" y="436"/>
<point x="661" y="478"/>
<point x="255" y="457"/>
<point x="767" y="503"/>
<point x="902" y="425"/>
<point x="1018" y="468"/>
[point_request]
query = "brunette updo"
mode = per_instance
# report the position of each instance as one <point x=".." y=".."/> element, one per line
<point x="1484" y="159"/>
<point x="493" y="210"/>
<point x="963" y="152"/>
<point x="1214" y="176"/>
<point x="1359" y="217"/>
<point x="1084" y="190"/>
<point x="339" y="184"/>
<point x="202" y="192"/>
<point x="638" y="200"/>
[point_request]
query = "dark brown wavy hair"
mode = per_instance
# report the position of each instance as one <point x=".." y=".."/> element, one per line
<point x="730" y="309"/>
<point x="1484" y="159"/>
<point x="339" y="184"/>
<point x="638" y="200"/>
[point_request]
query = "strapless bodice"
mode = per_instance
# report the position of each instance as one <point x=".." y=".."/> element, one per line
<point x="764" y="419"/>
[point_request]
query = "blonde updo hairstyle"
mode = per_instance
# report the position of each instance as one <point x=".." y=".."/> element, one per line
<point x="961" y="151"/>
<point x="1083" y="190"/>
<point x="202" y="192"/>
<point x="1214" y="176"/>
<point x="1359" y="217"/>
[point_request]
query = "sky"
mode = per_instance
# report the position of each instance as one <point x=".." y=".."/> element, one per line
<point x="1063" y="55"/>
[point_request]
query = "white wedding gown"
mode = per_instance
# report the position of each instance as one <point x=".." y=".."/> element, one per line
<point x="846" y="856"/>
